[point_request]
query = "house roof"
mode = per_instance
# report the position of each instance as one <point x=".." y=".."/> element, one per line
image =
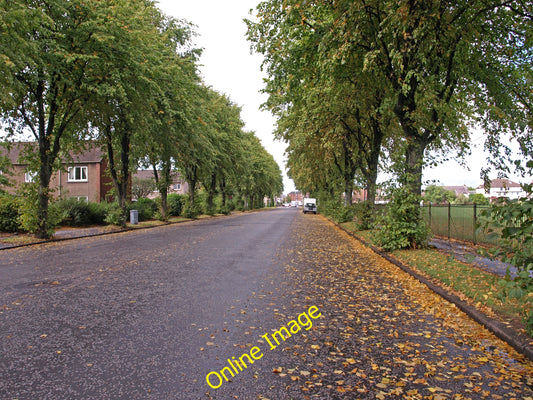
<point x="501" y="183"/>
<point x="458" y="189"/>
<point x="92" y="152"/>
<point x="149" y="174"/>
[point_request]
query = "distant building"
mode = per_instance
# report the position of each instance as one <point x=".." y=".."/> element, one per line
<point x="296" y="196"/>
<point x="460" y="190"/>
<point x="179" y="185"/>
<point x="502" y="188"/>
<point x="362" y="195"/>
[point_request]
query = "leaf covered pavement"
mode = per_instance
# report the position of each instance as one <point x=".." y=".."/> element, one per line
<point x="382" y="333"/>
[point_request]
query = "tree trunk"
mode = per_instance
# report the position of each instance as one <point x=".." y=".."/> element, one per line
<point x="371" y="174"/>
<point x="45" y="173"/>
<point x="223" y="191"/>
<point x="414" y="162"/>
<point x="212" y="190"/>
<point x="348" y="191"/>
<point x="192" y="178"/>
<point x="162" y="183"/>
<point x="119" y="175"/>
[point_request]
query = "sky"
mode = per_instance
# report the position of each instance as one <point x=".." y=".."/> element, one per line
<point x="228" y="66"/>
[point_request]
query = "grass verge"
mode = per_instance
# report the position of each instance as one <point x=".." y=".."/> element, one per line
<point x="479" y="288"/>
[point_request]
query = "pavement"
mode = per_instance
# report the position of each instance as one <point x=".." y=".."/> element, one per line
<point x="467" y="253"/>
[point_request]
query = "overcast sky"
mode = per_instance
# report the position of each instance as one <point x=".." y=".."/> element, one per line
<point x="227" y="64"/>
<point x="230" y="68"/>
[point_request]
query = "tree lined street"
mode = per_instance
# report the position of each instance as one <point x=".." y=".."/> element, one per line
<point x="148" y="314"/>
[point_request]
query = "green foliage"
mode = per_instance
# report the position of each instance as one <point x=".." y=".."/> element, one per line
<point x="29" y="213"/>
<point x="461" y="200"/>
<point x="9" y="213"/>
<point x="5" y="169"/>
<point x="402" y="225"/>
<point x="438" y="195"/>
<point x="175" y="204"/>
<point x="74" y="212"/>
<point x="336" y="210"/>
<point x="115" y="214"/>
<point x="511" y="222"/>
<point x="478" y="198"/>
<point x="349" y="77"/>
<point x="193" y="210"/>
<point x="363" y="216"/>
<point x="147" y="208"/>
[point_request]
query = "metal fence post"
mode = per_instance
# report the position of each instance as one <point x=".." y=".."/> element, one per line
<point x="449" y="219"/>
<point x="475" y="223"/>
<point x="429" y="212"/>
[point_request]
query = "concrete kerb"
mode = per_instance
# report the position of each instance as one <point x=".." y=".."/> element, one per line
<point x="518" y="341"/>
<point x="122" y="230"/>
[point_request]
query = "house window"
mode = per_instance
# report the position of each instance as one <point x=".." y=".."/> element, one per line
<point x="84" y="199"/>
<point x="77" y="174"/>
<point x="30" y="176"/>
<point x="177" y="186"/>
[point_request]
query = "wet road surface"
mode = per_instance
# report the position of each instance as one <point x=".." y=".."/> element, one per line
<point x="149" y="314"/>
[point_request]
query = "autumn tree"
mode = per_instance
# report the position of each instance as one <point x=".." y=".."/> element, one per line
<point x="261" y="176"/>
<point x="424" y="72"/>
<point x="227" y="134"/>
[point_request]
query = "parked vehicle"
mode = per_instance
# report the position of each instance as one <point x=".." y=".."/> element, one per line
<point x="309" y="205"/>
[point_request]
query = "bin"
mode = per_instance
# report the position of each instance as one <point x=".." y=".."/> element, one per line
<point x="134" y="217"/>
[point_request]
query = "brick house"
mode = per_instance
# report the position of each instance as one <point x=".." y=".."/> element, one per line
<point x="296" y="196"/>
<point x="360" y="195"/>
<point x="179" y="185"/>
<point x="83" y="177"/>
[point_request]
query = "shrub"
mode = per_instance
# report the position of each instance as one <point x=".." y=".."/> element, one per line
<point x="98" y="212"/>
<point x="336" y="210"/>
<point x="196" y="209"/>
<point x="10" y="213"/>
<point x="28" y="218"/>
<point x="74" y="212"/>
<point x="175" y="204"/>
<point x="114" y="214"/>
<point x="511" y="223"/>
<point x="403" y="226"/>
<point x="363" y="215"/>
<point x="146" y="207"/>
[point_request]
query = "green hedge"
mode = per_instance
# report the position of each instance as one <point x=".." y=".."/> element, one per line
<point x="10" y="210"/>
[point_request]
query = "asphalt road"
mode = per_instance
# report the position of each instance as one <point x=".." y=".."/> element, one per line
<point x="149" y="314"/>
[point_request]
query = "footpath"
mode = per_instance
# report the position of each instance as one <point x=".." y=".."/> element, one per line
<point x="384" y="333"/>
<point x="467" y="254"/>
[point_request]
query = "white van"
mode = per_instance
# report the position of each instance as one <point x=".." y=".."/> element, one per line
<point x="309" y="205"/>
